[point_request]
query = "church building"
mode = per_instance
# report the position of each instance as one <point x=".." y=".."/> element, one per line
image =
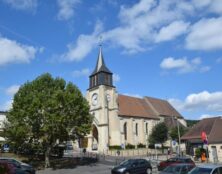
<point x="120" y="119"/>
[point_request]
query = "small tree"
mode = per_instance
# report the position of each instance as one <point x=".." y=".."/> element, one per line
<point x="46" y="110"/>
<point x="174" y="132"/>
<point x="159" y="134"/>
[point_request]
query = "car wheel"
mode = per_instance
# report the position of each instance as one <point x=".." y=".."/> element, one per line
<point x="148" y="171"/>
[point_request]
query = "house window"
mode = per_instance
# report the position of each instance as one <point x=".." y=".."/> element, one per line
<point x="136" y="129"/>
<point x="125" y="131"/>
<point x="146" y="128"/>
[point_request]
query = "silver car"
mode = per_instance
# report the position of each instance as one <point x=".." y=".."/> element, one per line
<point x="207" y="169"/>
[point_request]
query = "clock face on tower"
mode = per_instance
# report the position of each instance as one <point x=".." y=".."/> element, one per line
<point x="94" y="99"/>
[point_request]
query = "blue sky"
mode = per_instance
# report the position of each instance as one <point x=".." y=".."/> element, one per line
<point x="164" y="49"/>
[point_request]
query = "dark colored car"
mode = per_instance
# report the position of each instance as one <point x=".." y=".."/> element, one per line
<point x="162" y="165"/>
<point x="179" y="168"/>
<point x="28" y="169"/>
<point x="133" y="166"/>
<point x="207" y="169"/>
<point x="8" y="168"/>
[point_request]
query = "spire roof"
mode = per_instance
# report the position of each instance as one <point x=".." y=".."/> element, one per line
<point x="100" y="65"/>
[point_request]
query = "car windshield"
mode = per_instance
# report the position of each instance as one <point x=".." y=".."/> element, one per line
<point x="200" y="170"/>
<point x="126" y="163"/>
<point x="171" y="160"/>
<point x="172" y="169"/>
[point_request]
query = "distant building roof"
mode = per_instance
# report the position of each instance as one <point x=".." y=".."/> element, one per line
<point x="145" y="107"/>
<point x="212" y="127"/>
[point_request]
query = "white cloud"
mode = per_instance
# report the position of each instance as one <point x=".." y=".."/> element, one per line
<point x="183" y="65"/>
<point x="140" y="23"/>
<point x="6" y="106"/>
<point x="178" y="104"/>
<point x="205" y="69"/>
<point x="139" y="9"/>
<point x="66" y="8"/>
<point x="206" y="34"/>
<point x="20" y="54"/>
<point x="203" y="116"/>
<point x="27" y="5"/>
<point x="172" y="31"/>
<point x="171" y="63"/>
<point x="214" y="6"/>
<point x="203" y="101"/>
<point x="150" y="22"/>
<point x="12" y="90"/>
<point x="116" y="77"/>
<point x="85" y="43"/>
<point x="80" y="73"/>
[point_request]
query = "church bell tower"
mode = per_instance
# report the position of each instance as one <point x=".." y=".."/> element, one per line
<point x="102" y="98"/>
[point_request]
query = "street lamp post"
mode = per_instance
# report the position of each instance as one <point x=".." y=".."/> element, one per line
<point x="178" y="130"/>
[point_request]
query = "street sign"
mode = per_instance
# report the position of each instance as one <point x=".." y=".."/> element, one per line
<point x="158" y="145"/>
<point x="205" y="146"/>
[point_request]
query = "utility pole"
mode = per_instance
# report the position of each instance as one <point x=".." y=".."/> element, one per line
<point x="107" y="98"/>
<point x="178" y="129"/>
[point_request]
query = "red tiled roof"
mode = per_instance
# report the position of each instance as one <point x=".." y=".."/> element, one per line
<point x="163" y="107"/>
<point x="136" y="107"/>
<point x="147" y="107"/>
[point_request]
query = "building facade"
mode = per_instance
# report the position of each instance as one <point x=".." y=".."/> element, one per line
<point x="120" y="119"/>
<point x="213" y="146"/>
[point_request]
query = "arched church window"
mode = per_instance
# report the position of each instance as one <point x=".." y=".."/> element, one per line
<point x="136" y="129"/>
<point x="125" y="131"/>
<point x="146" y="128"/>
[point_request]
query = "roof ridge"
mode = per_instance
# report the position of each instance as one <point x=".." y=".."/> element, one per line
<point x="148" y="102"/>
<point x="155" y="98"/>
<point x="212" y="127"/>
<point x="131" y="96"/>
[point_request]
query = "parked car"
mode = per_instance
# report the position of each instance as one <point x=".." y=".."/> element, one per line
<point x="207" y="169"/>
<point x="7" y="167"/>
<point x="179" y="168"/>
<point x="133" y="166"/>
<point x="162" y="165"/>
<point x="28" y="169"/>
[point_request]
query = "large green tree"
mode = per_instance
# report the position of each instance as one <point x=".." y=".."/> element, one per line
<point x="47" y="110"/>
<point x="159" y="134"/>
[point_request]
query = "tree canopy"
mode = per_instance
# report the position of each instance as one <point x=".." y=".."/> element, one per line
<point x="48" y="110"/>
<point x="174" y="132"/>
<point x="159" y="134"/>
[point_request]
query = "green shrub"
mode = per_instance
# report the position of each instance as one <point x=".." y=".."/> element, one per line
<point x="140" y="145"/>
<point x="130" y="146"/>
<point x="115" y="147"/>
<point x="198" y="152"/>
<point x="151" y="146"/>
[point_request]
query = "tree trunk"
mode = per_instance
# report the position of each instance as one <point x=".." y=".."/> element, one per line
<point x="47" y="154"/>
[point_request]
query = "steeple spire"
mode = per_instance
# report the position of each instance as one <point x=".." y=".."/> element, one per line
<point x="101" y="74"/>
<point x="100" y="65"/>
